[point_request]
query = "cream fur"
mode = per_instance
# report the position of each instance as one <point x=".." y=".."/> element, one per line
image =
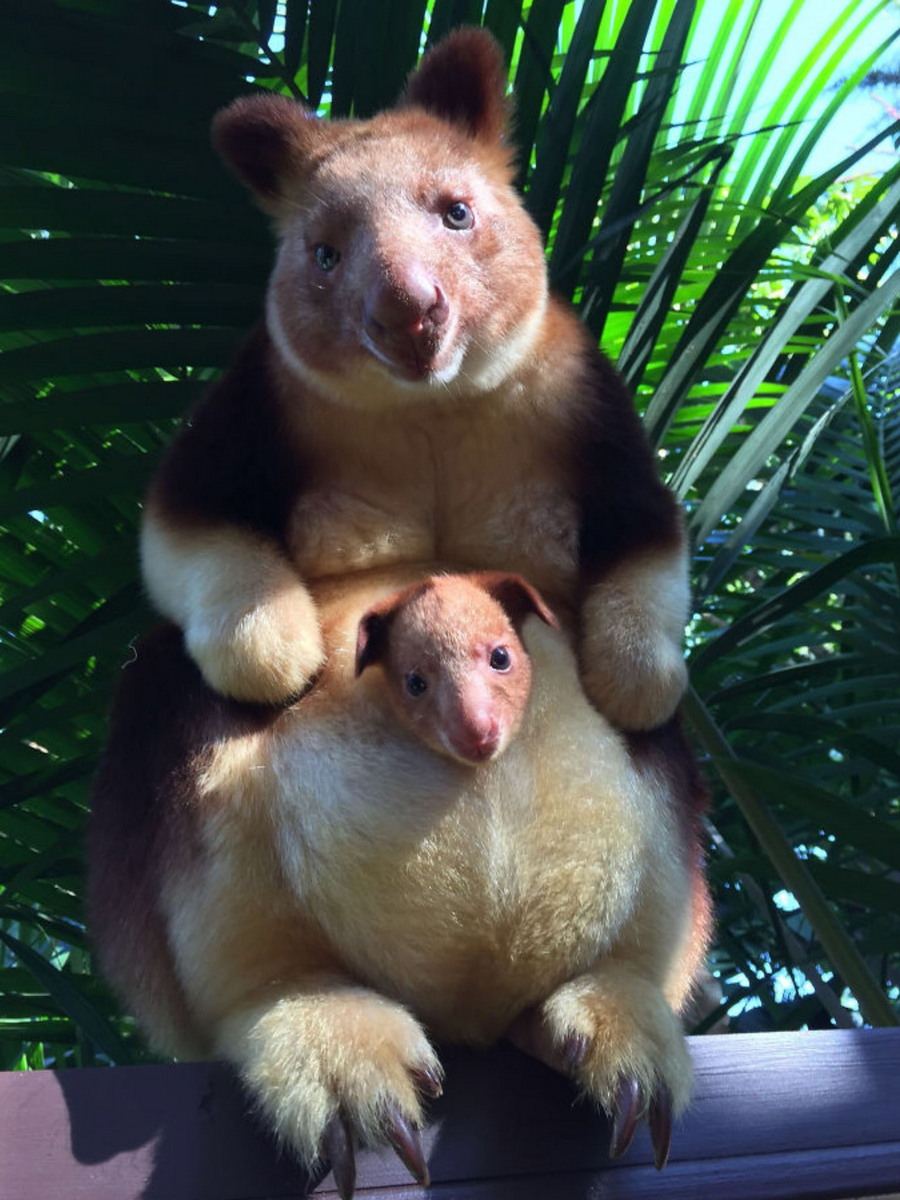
<point x="547" y="877"/>
<point x="249" y="622"/>
<point x="328" y="1048"/>
<point x="633" y="622"/>
<point x="630" y="1029"/>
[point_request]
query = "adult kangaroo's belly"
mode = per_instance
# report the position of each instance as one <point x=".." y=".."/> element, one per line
<point x="468" y="893"/>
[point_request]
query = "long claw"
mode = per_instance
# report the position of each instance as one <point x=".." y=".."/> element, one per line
<point x="660" y="1120"/>
<point x="407" y="1144"/>
<point x="337" y="1143"/>
<point x="628" y="1111"/>
<point x="428" y="1081"/>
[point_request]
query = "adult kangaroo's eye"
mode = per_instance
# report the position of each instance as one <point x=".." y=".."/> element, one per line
<point x="327" y="258"/>
<point x="500" y="659"/>
<point x="416" y="684"/>
<point x="459" y="216"/>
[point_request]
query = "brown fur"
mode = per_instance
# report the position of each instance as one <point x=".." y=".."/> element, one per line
<point x="303" y="888"/>
<point x="164" y="725"/>
<point x="420" y="398"/>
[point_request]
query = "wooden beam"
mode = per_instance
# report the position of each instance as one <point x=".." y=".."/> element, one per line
<point x="775" y="1115"/>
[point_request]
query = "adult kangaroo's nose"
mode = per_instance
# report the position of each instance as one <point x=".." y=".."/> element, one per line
<point x="409" y="301"/>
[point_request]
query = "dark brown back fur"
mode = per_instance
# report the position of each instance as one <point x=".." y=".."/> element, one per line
<point x="143" y="812"/>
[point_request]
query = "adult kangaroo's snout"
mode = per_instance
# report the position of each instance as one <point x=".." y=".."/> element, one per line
<point x="405" y="314"/>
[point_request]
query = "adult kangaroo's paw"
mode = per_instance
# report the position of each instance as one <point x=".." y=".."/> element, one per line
<point x="249" y="622"/>
<point x="331" y="1068"/>
<point x="632" y="657"/>
<point x="266" y="653"/>
<point x="615" y="1035"/>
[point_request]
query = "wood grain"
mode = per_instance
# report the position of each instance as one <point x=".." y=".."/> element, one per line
<point x="776" y="1115"/>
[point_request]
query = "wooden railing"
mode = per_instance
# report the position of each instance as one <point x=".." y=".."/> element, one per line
<point x="775" y="1115"/>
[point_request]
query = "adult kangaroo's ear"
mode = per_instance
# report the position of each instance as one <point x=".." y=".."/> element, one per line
<point x="463" y="80"/>
<point x="515" y="596"/>
<point x="268" y="142"/>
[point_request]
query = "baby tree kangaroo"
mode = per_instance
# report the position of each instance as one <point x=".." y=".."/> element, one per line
<point x="458" y="675"/>
<point x="303" y="887"/>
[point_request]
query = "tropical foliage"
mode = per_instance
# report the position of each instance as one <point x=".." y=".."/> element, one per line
<point x="750" y="302"/>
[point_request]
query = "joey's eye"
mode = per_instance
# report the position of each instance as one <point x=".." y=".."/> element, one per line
<point x="327" y="258"/>
<point x="415" y="684"/>
<point x="459" y="216"/>
<point x="500" y="659"/>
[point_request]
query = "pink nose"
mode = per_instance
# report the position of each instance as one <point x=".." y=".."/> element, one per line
<point x="479" y="741"/>
<point x="408" y="303"/>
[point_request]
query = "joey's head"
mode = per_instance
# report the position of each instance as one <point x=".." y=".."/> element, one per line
<point x="407" y="267"/>
<point x="457" y="673"/>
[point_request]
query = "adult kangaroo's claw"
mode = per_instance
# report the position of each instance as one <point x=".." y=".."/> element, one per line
<point x="630" y="1107"/>
<point x="629" y="1104"/>
<point x="337" y="1143"/>
<point x="660" y="1120"/>
<point x="407" y="1144"/>
<point x="427" y="1081"/>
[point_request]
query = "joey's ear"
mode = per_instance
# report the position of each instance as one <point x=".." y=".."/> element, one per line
<point x="515" y="596"/>
<point x="266" y="141"/>
<point x="463" y="81"/>
<point x="372" y="636"/>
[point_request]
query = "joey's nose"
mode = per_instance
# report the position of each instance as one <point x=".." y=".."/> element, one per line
<point x="410" y="302"/>
<point x="479" y="741"/>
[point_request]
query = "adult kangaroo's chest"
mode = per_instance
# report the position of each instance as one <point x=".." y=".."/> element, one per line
<point x="481" y="485"/>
